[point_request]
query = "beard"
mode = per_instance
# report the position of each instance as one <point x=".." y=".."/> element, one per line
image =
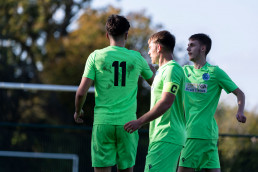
<point x="194" y="57"/>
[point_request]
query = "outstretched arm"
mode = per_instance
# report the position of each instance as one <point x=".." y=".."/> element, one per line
<point x="159" y="109"/>
<point x="241" y="105"/>
<point x="80" y="98"/>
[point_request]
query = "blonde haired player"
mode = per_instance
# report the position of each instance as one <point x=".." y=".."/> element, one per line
<point x="167" y="126"/>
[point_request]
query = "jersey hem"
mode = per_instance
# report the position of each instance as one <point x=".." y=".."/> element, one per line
<point x="176" y="143"/>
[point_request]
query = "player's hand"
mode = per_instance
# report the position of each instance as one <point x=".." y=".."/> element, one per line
<point x="241" y="117"/>
<point x="131" y="126"/>
<point x="78" y="117"/>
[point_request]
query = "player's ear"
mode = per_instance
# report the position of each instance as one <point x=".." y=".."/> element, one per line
<point x="159" y="48"/>
<point x="126" y="35"/>
<point x="203" y="48"/>
<point x="107" y="35"/>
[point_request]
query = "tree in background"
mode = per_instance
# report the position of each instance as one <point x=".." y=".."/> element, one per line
<point x="25" y="28"/>
<point x="39" y="44"/>
<point x="36" y="47"/>
<point x="233" y="150"/>
<point x="90" y="34"/>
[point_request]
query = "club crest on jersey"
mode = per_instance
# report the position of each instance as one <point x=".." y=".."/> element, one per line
<point x="205" y="76"/>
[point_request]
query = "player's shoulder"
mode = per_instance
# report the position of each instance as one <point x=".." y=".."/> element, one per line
<point x="187" y="67"/>
<point x="176" y="65"/>
<point x="99" y="51"/>
<point x="137" y="56"/>
<point x="173" y="66"/>
<point x="92" y="55"/>
<point x="135" y="53"/>
<point x="215" y="69"/>
<point x="212" y="68"/>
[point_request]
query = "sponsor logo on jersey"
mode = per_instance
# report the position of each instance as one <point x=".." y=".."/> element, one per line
<point x="198" y="88"/>
<point x="205" y="76"/>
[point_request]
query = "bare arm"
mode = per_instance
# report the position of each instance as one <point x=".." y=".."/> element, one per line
<point x="152" y="78"/>
<point x="241" y="105"/>
<point x="159" y="109"/>
<point x="80" y="98"/>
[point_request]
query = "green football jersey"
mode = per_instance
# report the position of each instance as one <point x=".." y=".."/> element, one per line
<point x="115" y="71"/>
<point x="170" y="127"/>
<point x="202" y="92"/>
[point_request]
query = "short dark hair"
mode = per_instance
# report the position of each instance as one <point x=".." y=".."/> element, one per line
<point x="203" y="39"/>
<point x="165" y="38"/>
<point x="117" y="25"/>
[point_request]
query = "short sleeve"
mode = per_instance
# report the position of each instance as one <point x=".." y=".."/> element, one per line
<point x="225" y="81"/>
<point x="146" y="72"/>
<point x="173" y="74"/>
<point x="89" y="70"/>
<point x="170" y="87"/>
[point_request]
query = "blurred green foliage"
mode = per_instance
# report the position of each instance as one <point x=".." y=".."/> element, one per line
<point x="234" y="150"/>
<point x="45" y="41"/>
<point x="49" y="42"/>
<point x="26" y="30"/>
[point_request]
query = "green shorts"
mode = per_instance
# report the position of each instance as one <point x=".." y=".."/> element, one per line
<point x="112" y="145"/>
<point x="200" y="154"/>
<point x="162" y="157"/>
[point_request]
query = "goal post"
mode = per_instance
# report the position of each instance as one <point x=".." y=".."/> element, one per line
<point x="44" y="87"/>
<point x="73" y="157"/>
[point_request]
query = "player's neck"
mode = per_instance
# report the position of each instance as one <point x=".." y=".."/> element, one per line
<point x="200" y="63"/>
<point x="165" y="58"/>
<point x="120" y="43"/>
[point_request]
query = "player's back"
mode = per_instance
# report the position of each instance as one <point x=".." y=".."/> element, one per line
<point x="117" y="71"/>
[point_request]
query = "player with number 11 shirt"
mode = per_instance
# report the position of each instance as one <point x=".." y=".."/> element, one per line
<point x="115" y="71"/>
